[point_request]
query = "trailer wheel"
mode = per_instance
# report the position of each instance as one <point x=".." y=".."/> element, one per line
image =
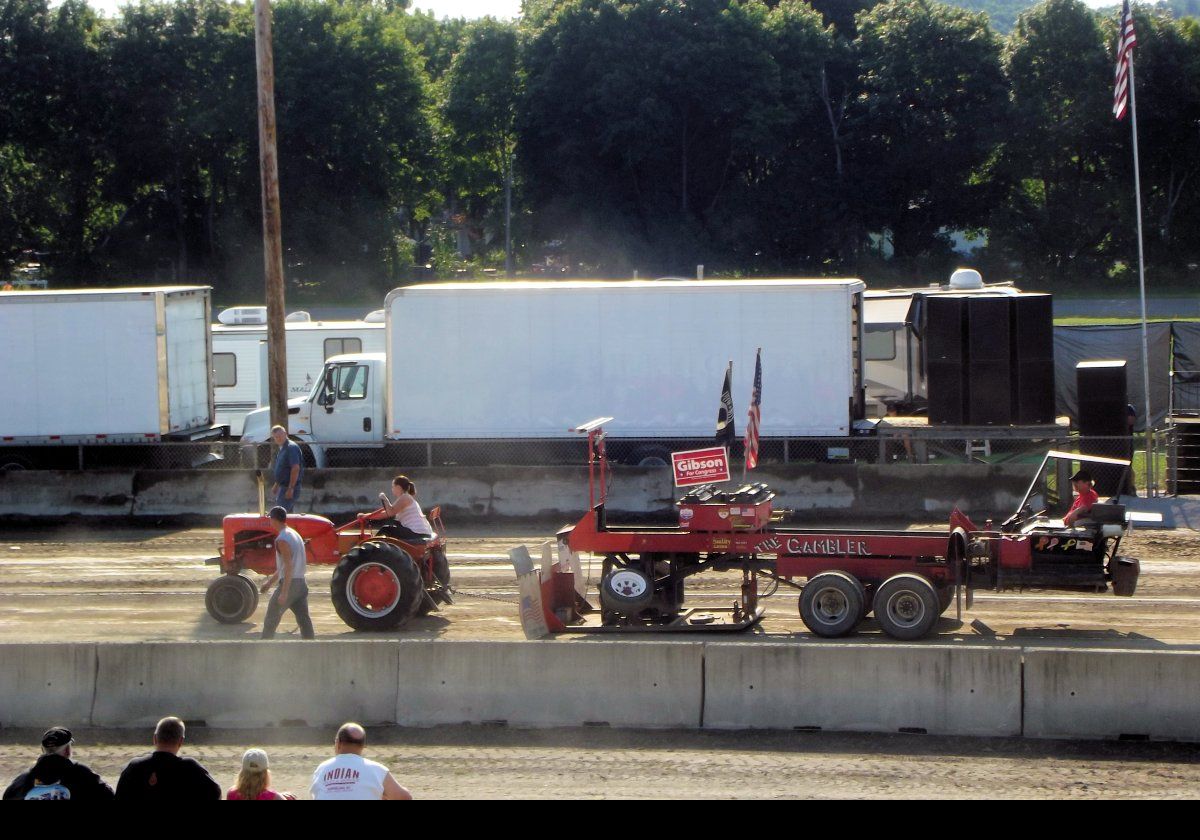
<point x="906" y="606"/>
<point x="626" y="591"/>
<point x="831" y="604"/>
<point x="231" y="599"/>
<point x="376" y="586"/>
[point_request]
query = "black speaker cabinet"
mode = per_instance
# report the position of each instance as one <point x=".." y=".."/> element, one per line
<point x="945" y="329"/>
<point x="1100" y="388"/>
<point x="989" y="392"/>
<point x="1033" y="398"/>
<point x="947" y="396"/>
<point x="1032" y="327"/>
<point x="989" y="325"/>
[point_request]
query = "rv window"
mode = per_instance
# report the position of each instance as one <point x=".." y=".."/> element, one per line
<point x="880" y="346"/>
<point x="224" y="370"/>
<point x="338" y="346"/>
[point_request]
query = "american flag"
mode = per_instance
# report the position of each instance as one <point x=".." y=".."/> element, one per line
<point x="1126" y="41"/>
<point x="755" y="415"/>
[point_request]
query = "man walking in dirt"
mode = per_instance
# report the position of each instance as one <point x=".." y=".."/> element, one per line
<point x="290" y="566"/>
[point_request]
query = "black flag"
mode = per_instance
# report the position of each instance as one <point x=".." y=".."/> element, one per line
<point x="726" y="433"/>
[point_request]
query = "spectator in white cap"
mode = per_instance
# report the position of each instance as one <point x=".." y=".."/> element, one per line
<point x="254" y="780"/>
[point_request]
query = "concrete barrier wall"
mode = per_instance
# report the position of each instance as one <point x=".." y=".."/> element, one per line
<point x="1109" y="694"/>
<point x="46" y="684"/>
<point x="499" y="493"/>
<point x="246" y="684"/>
<point x="863" y="688"/>
<point x="551" y="683"/>
<point x="48" y="493"/>
<point x="939" y="689"/>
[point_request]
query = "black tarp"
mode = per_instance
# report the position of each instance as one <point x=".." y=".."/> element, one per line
<point x="1186" y="361"/>
<point x="1117" y="341"/>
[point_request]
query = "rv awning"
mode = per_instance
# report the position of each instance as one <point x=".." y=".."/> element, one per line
<point x="886" y="313"/>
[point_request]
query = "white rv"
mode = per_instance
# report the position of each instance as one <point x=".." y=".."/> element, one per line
<point x="240" y="357"/>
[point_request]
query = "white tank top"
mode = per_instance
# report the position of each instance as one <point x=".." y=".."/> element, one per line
<point x="348" y="776"/>
<point x="414" y="519"/>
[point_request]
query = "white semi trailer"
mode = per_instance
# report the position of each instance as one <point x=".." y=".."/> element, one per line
<point x="524" y="361"/>
<point x="93" y="367"/>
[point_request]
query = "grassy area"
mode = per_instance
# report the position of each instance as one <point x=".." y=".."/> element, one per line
<point x="1110" y="319"/>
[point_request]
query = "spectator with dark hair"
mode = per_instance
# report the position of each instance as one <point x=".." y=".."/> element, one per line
<point x="350" y="776"/>
<point x="56" y="775"/>
<point x="163" y="774"/>
<point x="290" y="566"/>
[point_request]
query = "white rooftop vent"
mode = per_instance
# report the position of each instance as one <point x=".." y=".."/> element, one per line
<point x="966" y="278"/>
<point x="239" y="315"/>
<point x="376" y="317"/>
<point x="298" y="317"/>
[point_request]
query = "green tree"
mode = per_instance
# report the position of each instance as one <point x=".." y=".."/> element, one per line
<point x="480" y="111"/>
<point x="926" y="120"/>
<point x="1063" y="205"/>
<point x="1167" y="72"/>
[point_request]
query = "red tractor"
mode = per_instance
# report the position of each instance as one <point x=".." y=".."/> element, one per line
<point x="379" y="582"/>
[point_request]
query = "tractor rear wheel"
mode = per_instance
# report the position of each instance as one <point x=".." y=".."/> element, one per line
<point x="231" y="599"/>
<point x="376" y="586"/>
<point x="906" y="606"/>
<point x="831" y="604"/>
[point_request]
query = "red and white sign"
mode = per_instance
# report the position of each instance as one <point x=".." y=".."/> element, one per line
<point x="700" y="466"/>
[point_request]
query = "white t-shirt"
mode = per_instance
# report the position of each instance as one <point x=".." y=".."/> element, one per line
<point x="348" y="776"/>
<point x="413" y="518"/>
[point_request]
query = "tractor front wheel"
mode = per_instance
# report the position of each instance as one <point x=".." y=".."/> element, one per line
<point x="231" y="599"/>
<point x="376" y="586"/>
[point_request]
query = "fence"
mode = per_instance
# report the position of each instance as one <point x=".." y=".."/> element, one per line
<point x="890" y="446"/>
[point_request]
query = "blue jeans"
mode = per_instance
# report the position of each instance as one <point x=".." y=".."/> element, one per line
<point x="283" y="501"/>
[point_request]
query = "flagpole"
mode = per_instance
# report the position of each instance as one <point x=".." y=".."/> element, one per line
<point x="1151" y="490"/>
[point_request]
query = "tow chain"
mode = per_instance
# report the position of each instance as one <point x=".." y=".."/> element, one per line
<point x="454" y="592"/>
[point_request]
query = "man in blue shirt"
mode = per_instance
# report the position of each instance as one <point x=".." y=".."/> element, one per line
<point x="287" y="469"/>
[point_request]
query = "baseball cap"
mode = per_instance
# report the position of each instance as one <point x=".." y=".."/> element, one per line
<point x="56" y="737"/>
<point x="255" y="760"/>
<point x="1082" y="475"/>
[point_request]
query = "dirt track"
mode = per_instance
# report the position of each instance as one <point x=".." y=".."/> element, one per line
<point x="112" y="584"/>
<point x="483" y="763"/>
<point x="134" y="585"/>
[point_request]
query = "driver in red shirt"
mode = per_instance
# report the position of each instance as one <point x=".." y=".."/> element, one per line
<point x="1087" y="496"/>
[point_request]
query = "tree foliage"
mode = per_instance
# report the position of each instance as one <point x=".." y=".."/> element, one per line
<point x="751" y="136"/>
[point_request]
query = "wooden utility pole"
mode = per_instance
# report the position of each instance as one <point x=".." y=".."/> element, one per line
<point x="272" y="230"/>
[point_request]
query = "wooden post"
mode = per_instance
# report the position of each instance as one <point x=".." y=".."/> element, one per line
<point x="272" y="229"/>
